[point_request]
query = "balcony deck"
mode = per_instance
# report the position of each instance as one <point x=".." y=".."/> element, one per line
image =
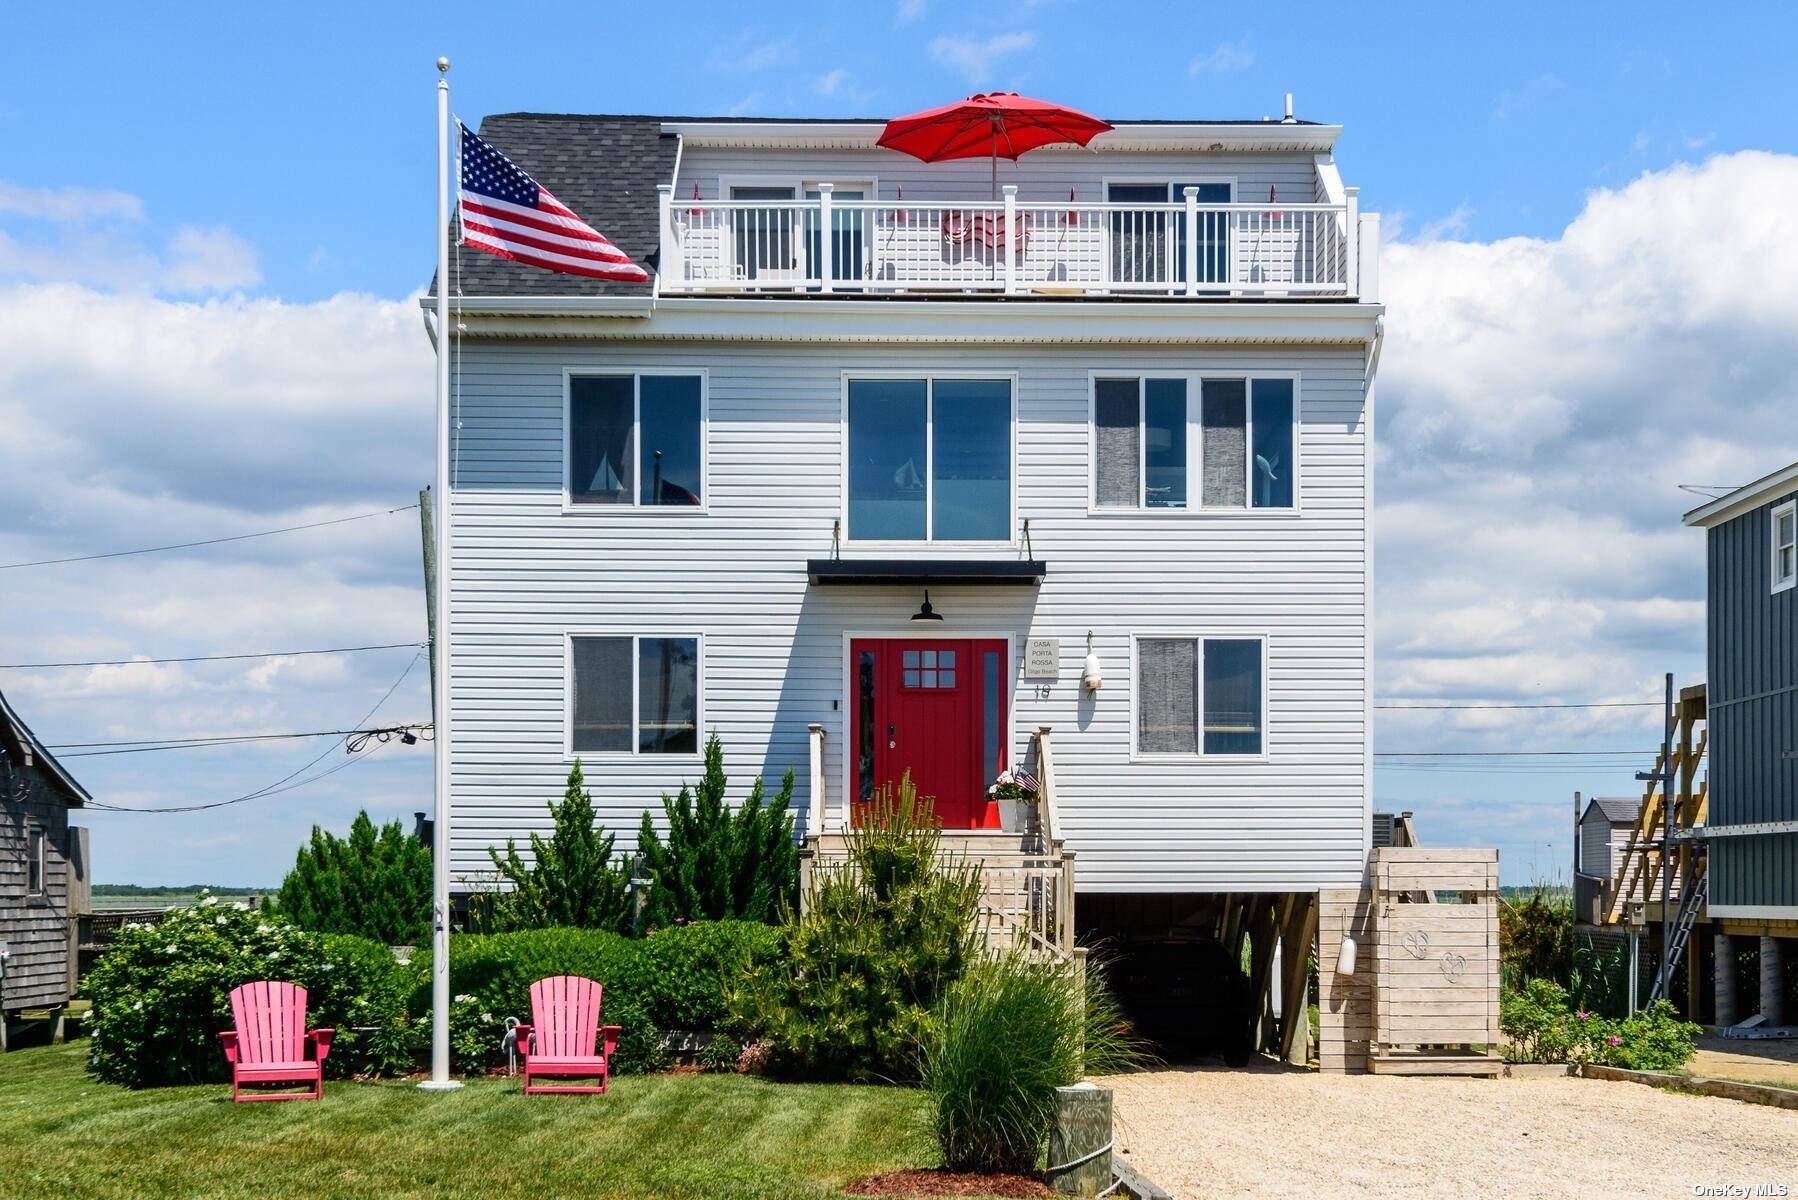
<point x="1010" y="247"/>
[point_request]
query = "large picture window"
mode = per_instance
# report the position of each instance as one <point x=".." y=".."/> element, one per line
<point x="636" y="439"/>
<point x="1154" y="448"/>
<point x="1200" y="695"/>
<point x="930" y="460"/>
<point x="633" y="694"/>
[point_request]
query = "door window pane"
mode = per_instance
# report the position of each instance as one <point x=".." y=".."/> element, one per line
<point x="601" y="412"/>
<point x="1223" y="442"/>
<point x="990" y="713"/>
<point x="667" y="695"/>
<point x="1116" y="428"/>
<point x="600" y="708"/>
<point x="1164" y="443"/>
<point x="846" y="232"/>
<point x="1232" y="696"/>
<point x="1271" y="473"/>
<point x="1140" y="248"/>
<point x="864" y="731"/>
<point x="887" y="459"/>
<point x="971" y="419"/>
<point x="764" y="236"/>
<point x="670" y="439"/>
<point x="1167" y="696"/>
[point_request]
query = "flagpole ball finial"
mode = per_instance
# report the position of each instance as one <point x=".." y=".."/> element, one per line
<point x="443" y="64"/>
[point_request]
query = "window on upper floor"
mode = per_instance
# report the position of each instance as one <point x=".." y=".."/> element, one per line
<point x="636" y="439"/>
<point x="633" y="694"/>
<point x="1149" y="246"/>
<point x="1152" y="450"/>
<point x="35" y="864"/>
<point x="1200" y="695"/>
<point x="930" y="460"/>
<point x="1785" y="546"/>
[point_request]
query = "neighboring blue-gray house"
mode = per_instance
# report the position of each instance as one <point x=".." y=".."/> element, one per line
<point x="1752" y="652"/>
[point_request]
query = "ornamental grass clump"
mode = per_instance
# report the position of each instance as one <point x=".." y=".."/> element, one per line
<point x="1005" y="1036"/>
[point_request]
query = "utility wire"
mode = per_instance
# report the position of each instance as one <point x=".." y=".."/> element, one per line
<point x="288" y="782"/>
<point x="1513" y="753"/>
<point x="383" y="733"/>
<point x="240" y="537"/>
<point x="1593" y="704"/>
<point x="131" y="662"/>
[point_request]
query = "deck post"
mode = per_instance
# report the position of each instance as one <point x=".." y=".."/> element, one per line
<point x="1295" y="949"/>
<point x="1011" y="239"/>
<point x="814" y="802"/>
<point x="670" y="263"/>
<point x="1191" y="192"/>
<point x="826" y="236"/>
<point x="1351" y="284"/>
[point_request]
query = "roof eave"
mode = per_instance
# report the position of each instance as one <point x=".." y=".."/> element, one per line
<point x="861" y="135"/>
<point x="1753" y="495"/>
<point x="20" y="733"/>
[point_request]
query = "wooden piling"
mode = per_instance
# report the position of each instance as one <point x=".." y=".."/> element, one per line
<point x="1080" y="1144"/>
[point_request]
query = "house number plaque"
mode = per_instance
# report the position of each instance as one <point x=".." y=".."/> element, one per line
<point x="1042" y="659"/>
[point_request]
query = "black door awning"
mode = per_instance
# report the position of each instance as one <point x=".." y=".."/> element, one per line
<point x="926" y="572"/>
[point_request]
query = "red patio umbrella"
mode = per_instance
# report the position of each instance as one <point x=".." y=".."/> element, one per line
<point x="998" y="124"/>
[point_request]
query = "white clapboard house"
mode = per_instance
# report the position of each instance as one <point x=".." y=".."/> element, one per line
<point x="867" y="486"/>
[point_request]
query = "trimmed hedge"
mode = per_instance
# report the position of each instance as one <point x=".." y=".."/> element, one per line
<point x="674" y="979"/>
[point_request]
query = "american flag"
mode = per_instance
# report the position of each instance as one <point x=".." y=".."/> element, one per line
<point x="506" y="212"/>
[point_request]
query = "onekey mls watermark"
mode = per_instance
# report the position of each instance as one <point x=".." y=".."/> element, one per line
<point x="1741" y="1191"/>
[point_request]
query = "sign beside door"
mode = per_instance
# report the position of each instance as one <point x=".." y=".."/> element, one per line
<point x="1042" y="659"/>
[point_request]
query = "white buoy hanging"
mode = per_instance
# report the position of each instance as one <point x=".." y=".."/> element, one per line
<point x="1345" y="957"/>
<point x="1092" y="677"/>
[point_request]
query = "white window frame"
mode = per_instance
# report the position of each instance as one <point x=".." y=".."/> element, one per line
<point x="929" y="539"/>
<point x="37" y="856"/>
<point x="1180" y="635"/>
<point x="570" y="374"/>
<point x="634" y="754"/>
<point x="1195" y="444"/>
<point x="1788" y="509"/>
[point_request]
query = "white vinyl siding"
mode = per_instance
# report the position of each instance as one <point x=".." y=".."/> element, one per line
<point x="527" y="574"/>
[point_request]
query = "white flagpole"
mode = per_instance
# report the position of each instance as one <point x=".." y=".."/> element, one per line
<point x="440" y="842"/>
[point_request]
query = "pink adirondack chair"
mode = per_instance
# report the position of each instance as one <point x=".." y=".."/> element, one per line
<point x="271" y="1043"/>
<point x="564" y="1038"/>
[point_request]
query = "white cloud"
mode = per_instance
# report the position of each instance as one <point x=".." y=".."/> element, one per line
<point x="1223" y="59"/>
<point x="1448" y="227"/>
<point x="1540" y="401"/>
<point x="209" y="260"/>
<point x="910" y="10"/>
<point x="828" y="83"/>
<point x="975" y="57"/>
<point x="68" y="203"/>
<point x="134" y="420"/>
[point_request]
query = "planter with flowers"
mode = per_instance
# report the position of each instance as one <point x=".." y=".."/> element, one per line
<point x="1011" y="802"/>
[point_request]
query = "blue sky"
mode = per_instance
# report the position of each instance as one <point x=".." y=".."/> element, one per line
<point x="211" y="219"/>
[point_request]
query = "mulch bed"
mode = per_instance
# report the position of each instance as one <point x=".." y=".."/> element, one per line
<point x="938" y="1182"/>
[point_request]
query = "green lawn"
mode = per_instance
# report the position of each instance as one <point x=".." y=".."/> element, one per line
<point x="700" y="1136"/>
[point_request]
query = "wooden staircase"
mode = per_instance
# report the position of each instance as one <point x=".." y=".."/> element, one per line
<point x="1026" y="876"/>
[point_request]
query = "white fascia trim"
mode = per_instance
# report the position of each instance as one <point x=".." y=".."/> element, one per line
<point x="585" y="306"/>
<point x="941" y="322"/>
<point x="1753" y="495"/>
<point x="862" y="135"/>
<point x="1749" y="912"/>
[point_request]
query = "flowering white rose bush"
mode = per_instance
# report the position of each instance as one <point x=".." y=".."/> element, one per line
<point x="161" y="993"/>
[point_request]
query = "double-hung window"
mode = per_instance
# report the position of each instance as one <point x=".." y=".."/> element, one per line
<point x="1785" y="546"/>
<point x="930" y="460"/>
<point x="35" y="863"/>
<point x="636" y="439"/>
<point x="1154" y="448"/>
<point x="633" y="694"/>
<point x="1201" y="696"/>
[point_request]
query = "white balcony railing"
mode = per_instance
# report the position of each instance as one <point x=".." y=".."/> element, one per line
<point x="1009" y="246"/>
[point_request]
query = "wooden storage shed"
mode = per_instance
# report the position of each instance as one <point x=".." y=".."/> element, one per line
<point x="43" y="868"/>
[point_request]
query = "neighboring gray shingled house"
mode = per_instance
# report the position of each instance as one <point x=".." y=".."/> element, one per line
<point x="41" y="862"/>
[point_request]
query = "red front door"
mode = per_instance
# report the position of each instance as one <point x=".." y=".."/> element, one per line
<point x="935" y="707"/>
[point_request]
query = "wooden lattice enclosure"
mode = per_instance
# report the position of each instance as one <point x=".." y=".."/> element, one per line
<point x="1435" y="961"/>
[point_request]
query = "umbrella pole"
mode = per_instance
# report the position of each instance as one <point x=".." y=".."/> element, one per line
<point x="994" y="157"/>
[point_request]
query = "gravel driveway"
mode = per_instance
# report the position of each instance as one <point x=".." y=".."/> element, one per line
<point x="1207" y="1132"/>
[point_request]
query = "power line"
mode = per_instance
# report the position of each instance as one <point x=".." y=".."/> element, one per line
<point x="415" y="729"/>
<point x="131" y="662"/>
<point x="1512" y="753"/>
<point x="288" y="782"/>
<point x="240" y="537"/>
<point x="1592" y="704"/>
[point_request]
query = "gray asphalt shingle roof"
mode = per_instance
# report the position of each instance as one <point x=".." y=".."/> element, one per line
<point x="604" y="168"/>
<point x="1618" y="810"/>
